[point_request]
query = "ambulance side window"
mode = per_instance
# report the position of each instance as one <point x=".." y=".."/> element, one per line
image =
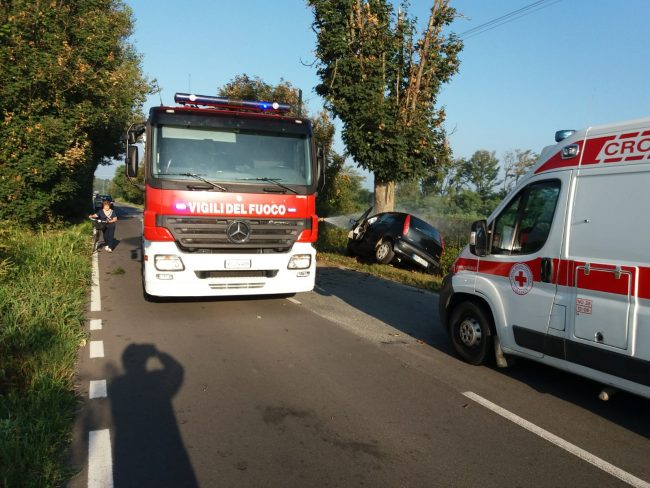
<point x="523" y="226"/>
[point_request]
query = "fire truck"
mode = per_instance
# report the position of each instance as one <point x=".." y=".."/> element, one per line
<point x="560" y="272"/>
<point x="230" y="189"/>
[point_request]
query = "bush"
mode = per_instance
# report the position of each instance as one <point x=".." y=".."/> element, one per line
<point x="449" y="255"/>
<point x="331" y="238"/>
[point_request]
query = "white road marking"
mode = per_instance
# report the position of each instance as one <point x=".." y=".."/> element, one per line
<point x="293" y="300"/>
<point x="100" y="460"/>
<point x="97" y="389"/>
<point x="95" y="300"/>
<point x="320" y="288"/>
<point x="96" y="349"/>
<point x="95" y="324"/>
<point x="558" y="441"/>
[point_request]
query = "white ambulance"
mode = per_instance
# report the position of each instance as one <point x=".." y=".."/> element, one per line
<point x="560" y="272"/>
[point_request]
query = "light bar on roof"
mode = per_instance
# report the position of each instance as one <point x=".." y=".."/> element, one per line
<point x="224" y="102"/>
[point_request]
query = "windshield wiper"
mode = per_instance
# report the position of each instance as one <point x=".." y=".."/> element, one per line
<point x="271" y="180"/>
<point x="192" y="175"/>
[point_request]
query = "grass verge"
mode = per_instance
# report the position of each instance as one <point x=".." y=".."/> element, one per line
<point x="405" y="276"/>
<point x="44" y="280"/>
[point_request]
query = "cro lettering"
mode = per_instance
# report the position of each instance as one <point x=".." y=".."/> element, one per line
<point x="627" y="148"/>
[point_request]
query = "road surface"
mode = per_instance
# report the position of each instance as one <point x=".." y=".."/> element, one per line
<point x="353" y="384"/>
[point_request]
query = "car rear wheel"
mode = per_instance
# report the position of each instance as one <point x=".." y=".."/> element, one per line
<point x="384" y="252"/>
<point x="470" y="332"/>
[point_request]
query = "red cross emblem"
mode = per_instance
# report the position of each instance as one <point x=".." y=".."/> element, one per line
<point x="521" y="278"/>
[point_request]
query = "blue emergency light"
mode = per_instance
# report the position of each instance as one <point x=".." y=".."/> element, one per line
<point x="230" y="103"/>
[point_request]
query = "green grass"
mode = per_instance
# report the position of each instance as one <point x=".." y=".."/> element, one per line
<point x="400" y="275"/>
<point x="44" y="281"/>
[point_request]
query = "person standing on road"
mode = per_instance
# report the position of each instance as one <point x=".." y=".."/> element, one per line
<point x="107" y="214"/>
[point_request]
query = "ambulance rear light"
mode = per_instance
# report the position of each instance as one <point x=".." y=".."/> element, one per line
<point x="230" y="103"/>
<point x="563" y="134"/>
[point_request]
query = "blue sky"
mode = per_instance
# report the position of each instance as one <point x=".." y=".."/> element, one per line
<point x="570" y="64"/>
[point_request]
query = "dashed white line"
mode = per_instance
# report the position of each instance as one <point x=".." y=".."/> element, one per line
<point x="95" y="300"/>
<point x="96" y="349"/>
<point x="293" y="300"/>
<point x="100" y="460"/>
<point x="97" y="389"/>
<point x="558" y="441"/>
<point x="95" y="324"/>
<point x="320" y="288"/>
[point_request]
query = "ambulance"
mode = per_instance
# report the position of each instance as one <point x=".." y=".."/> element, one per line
<point x="560" y="272"/>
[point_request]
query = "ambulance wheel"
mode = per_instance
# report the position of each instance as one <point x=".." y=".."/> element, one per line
<point x="470" y="332"/>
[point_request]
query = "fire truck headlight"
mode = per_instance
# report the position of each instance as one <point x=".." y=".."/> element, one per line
<point x="168" y="262"/>
<point x="300" y="261"/>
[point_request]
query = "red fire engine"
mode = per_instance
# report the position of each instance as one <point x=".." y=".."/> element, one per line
<point x="230" y="191"/>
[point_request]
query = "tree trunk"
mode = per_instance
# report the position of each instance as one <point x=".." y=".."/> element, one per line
<point x="384" y="196"/>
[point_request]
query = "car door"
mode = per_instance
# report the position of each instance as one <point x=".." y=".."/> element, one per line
<point x="520" y="272"/>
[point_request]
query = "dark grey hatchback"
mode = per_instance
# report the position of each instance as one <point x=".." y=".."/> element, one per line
<point x="396" y="237"/>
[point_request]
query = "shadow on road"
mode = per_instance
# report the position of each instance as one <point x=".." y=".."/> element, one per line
<point x="148" y="448"/>
<point x="412" y="311"/>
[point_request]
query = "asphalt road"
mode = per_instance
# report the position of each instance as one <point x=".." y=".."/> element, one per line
<point x="353" y="384"/>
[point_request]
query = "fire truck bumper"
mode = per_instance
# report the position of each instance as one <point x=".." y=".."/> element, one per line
<point x="169" y="273"/>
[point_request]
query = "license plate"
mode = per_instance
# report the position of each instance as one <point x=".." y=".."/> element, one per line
<point x="419" y="260"/>
<point x="238" y="263"/>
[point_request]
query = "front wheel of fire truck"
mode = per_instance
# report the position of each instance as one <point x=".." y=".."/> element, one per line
<point x="469" y="328"/>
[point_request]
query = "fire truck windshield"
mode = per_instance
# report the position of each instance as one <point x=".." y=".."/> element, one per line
<point x="231" y="156"/>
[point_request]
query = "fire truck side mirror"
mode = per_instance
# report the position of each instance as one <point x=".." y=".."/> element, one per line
<point x="132" y="161"/>
<point x="320" y="162"/>
<point x="478" y="238"/>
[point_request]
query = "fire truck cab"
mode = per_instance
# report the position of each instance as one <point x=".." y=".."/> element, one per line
<point x="230" y="188"/>
<point x="560" y="272"/>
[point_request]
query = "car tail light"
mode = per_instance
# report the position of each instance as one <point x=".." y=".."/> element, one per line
<point x="442" y="242"/>
<point x="407" y="224"/>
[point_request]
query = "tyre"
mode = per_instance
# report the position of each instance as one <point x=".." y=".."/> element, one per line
<point x="384" y="252"/>
<point x="469" y="328"/>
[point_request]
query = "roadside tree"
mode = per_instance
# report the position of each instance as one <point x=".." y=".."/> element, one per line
<point x="70" y="83"/>
<point x="382" y="80"/>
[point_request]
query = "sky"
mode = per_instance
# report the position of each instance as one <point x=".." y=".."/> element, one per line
<point x="567" y="64"/>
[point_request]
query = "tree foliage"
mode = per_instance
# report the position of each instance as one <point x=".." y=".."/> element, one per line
<point x="481" y="171"/>
<point x="382" y="80"/>
<point x="516" y="164"/>
<point x="244" y="87"/>
<point x="69" y="85"/>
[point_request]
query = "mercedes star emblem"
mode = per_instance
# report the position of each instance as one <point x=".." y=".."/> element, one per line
<point x="238" y="232"/>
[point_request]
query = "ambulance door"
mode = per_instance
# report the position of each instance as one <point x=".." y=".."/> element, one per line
<point x="608" y="242"/>
<point x="519" y="275"/>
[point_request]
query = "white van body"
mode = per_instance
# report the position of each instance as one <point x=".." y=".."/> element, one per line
<point x="564" y="276"/>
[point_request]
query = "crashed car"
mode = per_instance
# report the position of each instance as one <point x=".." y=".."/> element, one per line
<point x="396" y="237"/>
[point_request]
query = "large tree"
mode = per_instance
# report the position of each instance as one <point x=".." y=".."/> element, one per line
<point x="382" y="79"/>
<point x="70" y="83"/>
<point x="482" y="172"/>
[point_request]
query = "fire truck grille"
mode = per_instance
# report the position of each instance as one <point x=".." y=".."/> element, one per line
<point x="210" y="234"/>
<point x="270" y="273"/>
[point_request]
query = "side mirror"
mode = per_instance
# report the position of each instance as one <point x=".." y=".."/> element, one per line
<point x="478" y="239"/>
<point x="132" y="156"/>
<point x="320" y="163"/>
